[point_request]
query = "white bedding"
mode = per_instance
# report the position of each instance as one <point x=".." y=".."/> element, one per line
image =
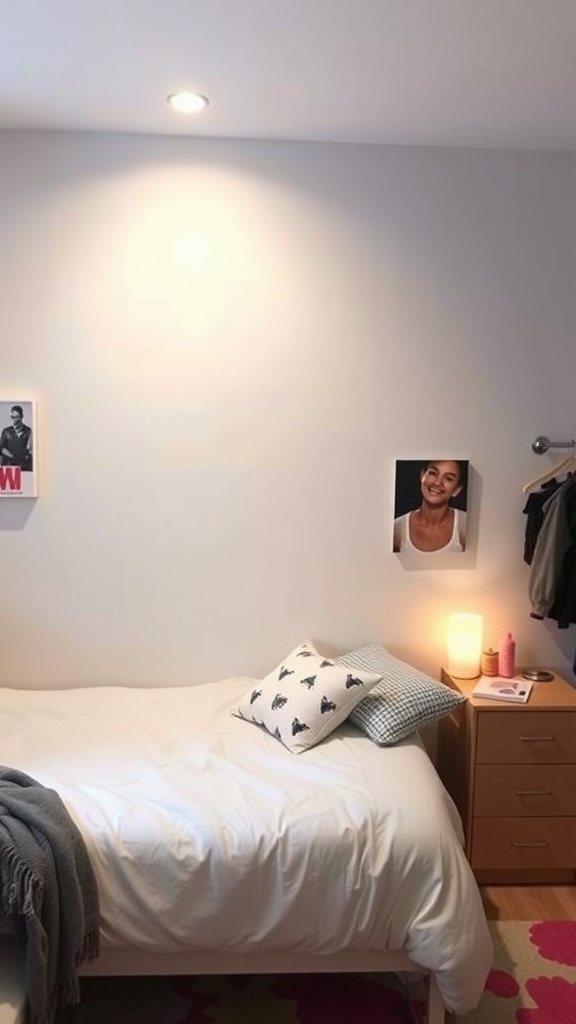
<point x="207" y="834"/>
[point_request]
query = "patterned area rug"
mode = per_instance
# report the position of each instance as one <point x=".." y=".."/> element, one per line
<point x="533" y="982"/>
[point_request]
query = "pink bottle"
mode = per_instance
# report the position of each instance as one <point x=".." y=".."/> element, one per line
<point x="507" y="656"/>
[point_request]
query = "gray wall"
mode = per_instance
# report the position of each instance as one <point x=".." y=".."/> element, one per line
<point x="230" y="344"/>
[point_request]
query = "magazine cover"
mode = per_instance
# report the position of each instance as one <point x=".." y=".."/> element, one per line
<point x="500" y="688"/>
<point x="18" y="470"/>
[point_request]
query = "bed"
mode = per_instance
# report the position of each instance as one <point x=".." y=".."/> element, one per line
<point x="217" y="850"/>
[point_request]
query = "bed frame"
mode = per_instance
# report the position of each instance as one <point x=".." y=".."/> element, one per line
<point x="118" y="962"/>
<point x="126" y="962"/>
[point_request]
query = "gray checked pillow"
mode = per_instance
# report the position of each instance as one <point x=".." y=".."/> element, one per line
<point x="305" y="698"/>
<point x="404" y="701"/>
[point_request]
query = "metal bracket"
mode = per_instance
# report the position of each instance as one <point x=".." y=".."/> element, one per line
<point x="541" y="444"/>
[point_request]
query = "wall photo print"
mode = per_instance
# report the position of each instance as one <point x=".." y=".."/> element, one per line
<point x="18" y="470"/>
<point x="430" y="505"/>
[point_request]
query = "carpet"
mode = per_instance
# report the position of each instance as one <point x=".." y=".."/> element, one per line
<point x="533" y="981"/>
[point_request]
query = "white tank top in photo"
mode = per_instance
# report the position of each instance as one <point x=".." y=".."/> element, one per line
<point x="407" y="545"/>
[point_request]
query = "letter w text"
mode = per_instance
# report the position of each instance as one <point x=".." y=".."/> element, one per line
<point x="10" y="478"/>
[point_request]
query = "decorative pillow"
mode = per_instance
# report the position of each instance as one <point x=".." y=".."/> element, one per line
<point x="304" y="698"/>
<point x="404" y="700"/>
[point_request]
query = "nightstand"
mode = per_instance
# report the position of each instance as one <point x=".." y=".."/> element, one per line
<point x="511" y="770"/>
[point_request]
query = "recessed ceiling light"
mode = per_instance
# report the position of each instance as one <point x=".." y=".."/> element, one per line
<point x="187" y="102"/>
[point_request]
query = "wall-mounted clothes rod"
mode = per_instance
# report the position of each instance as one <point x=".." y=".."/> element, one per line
<point x="541" y="444"/>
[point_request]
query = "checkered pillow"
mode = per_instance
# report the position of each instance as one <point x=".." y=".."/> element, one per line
<point x="404" y="701"/>
<point x="305" y="698"/>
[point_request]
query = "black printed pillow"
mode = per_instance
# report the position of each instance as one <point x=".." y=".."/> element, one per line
<point x="305" y="698"/>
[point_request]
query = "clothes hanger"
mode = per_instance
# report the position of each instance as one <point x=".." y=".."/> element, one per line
<point x="561" y="467"/>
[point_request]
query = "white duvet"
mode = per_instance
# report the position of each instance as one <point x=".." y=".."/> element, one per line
<point x="207" y="834"/>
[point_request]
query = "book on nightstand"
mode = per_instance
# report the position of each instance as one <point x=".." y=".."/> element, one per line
<point x="498" y="688"/>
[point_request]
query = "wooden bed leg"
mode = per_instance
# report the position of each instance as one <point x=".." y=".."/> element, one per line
<point x="435" y="1009"/>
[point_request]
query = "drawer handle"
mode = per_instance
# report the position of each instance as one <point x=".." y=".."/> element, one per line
<point x="537" y="739"/>
<point x="533" y="792"/>
<point x="517" y="842"/>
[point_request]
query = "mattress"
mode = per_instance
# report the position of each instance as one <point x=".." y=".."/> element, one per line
<point x="205" y="833"/>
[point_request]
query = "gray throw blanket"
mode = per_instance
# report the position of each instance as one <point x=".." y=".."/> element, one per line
<point x="47" y="882"/>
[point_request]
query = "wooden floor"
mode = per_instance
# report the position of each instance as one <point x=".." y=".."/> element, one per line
<point x="529" y="903"/>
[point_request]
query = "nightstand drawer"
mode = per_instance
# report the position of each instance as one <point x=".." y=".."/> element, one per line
<point x="524" y="737"/>
<point x="523" y="843"/>
<point x="530" y="790"/>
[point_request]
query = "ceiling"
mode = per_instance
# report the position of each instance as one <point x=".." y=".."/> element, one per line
<point x="495" y="73"/>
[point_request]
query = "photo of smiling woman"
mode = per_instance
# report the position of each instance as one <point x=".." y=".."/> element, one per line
<point x="430" y="505"/>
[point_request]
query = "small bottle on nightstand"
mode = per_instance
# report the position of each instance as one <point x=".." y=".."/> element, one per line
<point x="489" y="663"/>
<point x="507" y="656"/>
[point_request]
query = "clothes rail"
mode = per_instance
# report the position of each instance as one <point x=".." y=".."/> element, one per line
<point x="541" y="444"/>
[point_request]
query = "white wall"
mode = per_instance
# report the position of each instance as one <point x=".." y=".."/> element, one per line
<point x="231" y="343"/>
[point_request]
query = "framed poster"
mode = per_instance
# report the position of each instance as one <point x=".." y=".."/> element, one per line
<point x="18" y="469"/>
<point x="430" y="505"/>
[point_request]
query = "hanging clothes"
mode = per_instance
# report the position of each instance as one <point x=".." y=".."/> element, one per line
<point x="554" y="540"/>
<point x="550" y="541"/>
<point x="534" y="511"/>
<point x="564" y="608"/>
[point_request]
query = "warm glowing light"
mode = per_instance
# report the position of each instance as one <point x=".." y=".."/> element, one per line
<point x="190" y="250"/>
<point x="464" y="645"/>
<point x="187" y="102"/>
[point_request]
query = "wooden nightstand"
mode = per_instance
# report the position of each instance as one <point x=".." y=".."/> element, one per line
<point x="511" y="770"/>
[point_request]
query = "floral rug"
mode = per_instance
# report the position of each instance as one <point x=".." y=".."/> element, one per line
<point x="533" y="981"/>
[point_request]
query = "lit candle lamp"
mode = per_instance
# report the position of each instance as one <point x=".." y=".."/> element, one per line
<point x="464" y="645"/>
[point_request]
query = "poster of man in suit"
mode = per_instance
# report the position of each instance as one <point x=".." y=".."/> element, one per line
<point x="18" y="475"/>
